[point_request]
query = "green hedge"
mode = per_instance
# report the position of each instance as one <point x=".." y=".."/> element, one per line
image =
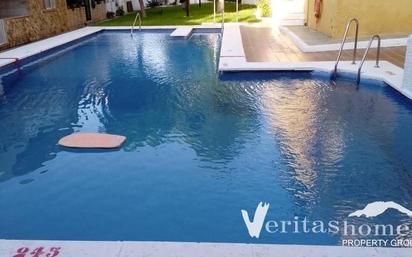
<point x="264" y="7"/>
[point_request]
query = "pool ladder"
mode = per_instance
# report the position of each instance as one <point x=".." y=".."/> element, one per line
<point x="134" y="23"/>
<point x="220" y="39"/>
<point x="343" y="43"/>
<point x="378" y="53"/>
<point x="348" y="25"/>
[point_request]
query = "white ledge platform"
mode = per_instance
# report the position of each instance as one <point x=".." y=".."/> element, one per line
<point x="233" y="58"/>
<point x="183" y="32"/>
<point x="306" y="48"/>
<point x="8" y="248"/>
<point x="44" y="45"/>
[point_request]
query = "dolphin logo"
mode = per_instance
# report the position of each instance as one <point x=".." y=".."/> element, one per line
<point x="377" y="208"/>
<point x="255" y="227"/>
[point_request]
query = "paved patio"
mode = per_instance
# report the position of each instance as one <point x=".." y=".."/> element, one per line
<point x="268" y="44"/>
<point x="313" y="37"/>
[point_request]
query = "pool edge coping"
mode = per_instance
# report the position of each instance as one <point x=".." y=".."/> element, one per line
<point x="31" y="49"/>
<point x="192" y="249"/>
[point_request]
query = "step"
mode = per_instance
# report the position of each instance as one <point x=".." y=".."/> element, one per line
<point x="183" y="32"/>
<point x="292" y="22"/>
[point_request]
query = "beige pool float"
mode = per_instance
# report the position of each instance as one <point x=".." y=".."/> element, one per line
<point x="92" y="140"/>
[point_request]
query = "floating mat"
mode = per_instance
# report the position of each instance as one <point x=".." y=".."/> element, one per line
<point x="92" y="140"/>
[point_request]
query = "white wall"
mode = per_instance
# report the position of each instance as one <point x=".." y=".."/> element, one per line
<point x="111" y="5"/>
<point x="249" y="2"/>
<point x="136" y="5"/>
<point x="407" y="74"/>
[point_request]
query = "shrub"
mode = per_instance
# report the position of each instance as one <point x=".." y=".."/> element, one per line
<point x="110" y="15"/>
<point x="74" y="3"/>
<point x="154" y="3"/>
<point x="264" y="8"/>
<point x="119" y="11"/>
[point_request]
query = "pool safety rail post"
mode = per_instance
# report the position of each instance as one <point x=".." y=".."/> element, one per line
<point x="187" y="6"/>
<point x="345" y="35"/>
<point x="237" y="10"/>
<point x="214" y="11"/>
<point x="220" y="8"/>
<point x="223" y="16"/>
<point x="378" y="52"/>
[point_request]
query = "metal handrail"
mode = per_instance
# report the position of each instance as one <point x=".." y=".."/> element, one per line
<point x="344" y="41"/>
<point x="223" y="20"/>
<point x="134" y="23"/>
<point x="366" y="53"/>
<point x="221" y="38"/>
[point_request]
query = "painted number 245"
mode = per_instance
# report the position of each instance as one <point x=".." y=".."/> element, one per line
<point x="38" y="252"/>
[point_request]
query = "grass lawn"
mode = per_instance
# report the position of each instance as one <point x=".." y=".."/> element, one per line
<point x="175" y="15"/>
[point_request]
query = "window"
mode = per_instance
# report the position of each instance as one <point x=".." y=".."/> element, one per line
<point x="3" y="37"/>
<point x="49" y="4"/>
<point x="13" y="8"/>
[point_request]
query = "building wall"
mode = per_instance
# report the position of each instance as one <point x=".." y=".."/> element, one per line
<point x="41" y="23"/>
<point x="375" y="16"/>
<point x="327" y="21"/>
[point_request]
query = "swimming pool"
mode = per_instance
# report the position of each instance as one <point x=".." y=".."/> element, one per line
<point x="199" y="148"/>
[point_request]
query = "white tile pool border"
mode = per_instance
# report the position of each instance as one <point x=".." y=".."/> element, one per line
<point x="8" y="248"/>
<point x="233" y="59"/>
<point x="44" y="45"/>
<point x="8" y="56"/>
<point x="306" y="48"/>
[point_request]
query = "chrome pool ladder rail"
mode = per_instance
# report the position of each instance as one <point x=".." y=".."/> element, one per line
<point x="220" y="39"/>
<point x="345" y="35"/>
<point x="134" y="23"/>
<point x="223" y="21"/>
<point x="378" y="52"/>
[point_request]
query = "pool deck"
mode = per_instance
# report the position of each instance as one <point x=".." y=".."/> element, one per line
<point x="270" y="44"/>
<point x="272" y="52"/>
<point x="235" y="56"/>
<point x="309" y="40"/>
<point x="8" y="248"/>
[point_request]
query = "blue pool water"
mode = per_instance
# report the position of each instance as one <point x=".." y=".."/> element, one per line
<point x="199" y="148"/>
